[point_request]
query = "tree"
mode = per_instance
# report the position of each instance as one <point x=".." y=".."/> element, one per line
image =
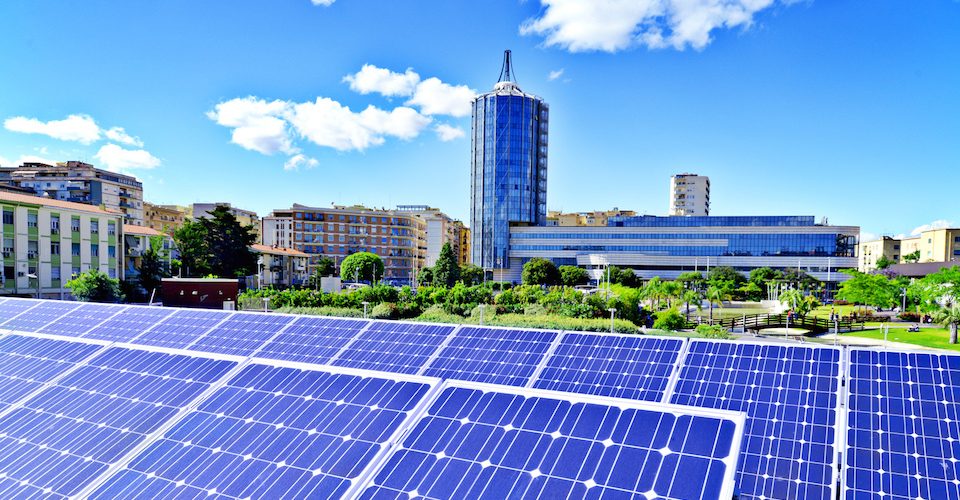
<point x="217" y="245"/>
<point x="883" y="262"/>
<point x="627" y="277"/>
<point x="95" y="286"/>
<point x="938" y="294"/>
<point x="152" y="270"/>
<point x="762" y="275"/>
<point x="725" y="274"/>
<point x="446" y="271"/>
<point x="912" y="256"/>
<point x="798" y="302"/>
<point x="653" y="291"/>
<point x="191" y="239"/>
<point x="573" y="275"/>
<point x="671" y="290"/>
<point x="692" y="280"/>
<point x="868" y="289"/>
<point x="538" y="271"/>
<point x="471" y="274"/>
<point x="325" y="267"/>
<point x="751" y="291"/>
<point x="425" y="277"/>
<point x="691" y="297"/>
<point x="800" y="278"/>
<point x="361" y="266"/>
<point x="718" y="292"/>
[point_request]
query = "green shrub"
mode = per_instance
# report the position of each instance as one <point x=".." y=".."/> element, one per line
<point x="342" y="312"/>
<point x="671" y="320"/>
<point x="562" y="323"/>
<point x="385" y="310"/>
<point x="713" y="332"/>
<point x="436" y="314"/>
<point x="534" y="310"/>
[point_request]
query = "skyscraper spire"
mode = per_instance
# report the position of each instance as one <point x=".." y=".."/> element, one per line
<point x="506" y="71"/>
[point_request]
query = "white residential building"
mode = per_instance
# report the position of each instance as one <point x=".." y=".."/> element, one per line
<point x="689" y="195"/>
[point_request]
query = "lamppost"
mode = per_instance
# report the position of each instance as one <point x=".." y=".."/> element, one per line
<point x="482" y="307"/>
<point x="36" y="277"/>
<point x="612" y="312"/>
<point x="903" y="293"/>
<point x="266" y="304"/>
<point x="365" y="304"/>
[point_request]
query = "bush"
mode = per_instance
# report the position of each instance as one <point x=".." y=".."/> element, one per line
<point x="670" y="320"/>
<point x="910" y="316"/>
<point x="436" y="314"/>
<point x="534" y="310"/>
<point x="713" y="332"/>
<point x="562" y="323"/>
<point x="342" y="312"/>
<point x="386" y="310"/>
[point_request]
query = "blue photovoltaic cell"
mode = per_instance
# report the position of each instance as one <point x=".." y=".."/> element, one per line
<point x="394" y="347"/>
<point x="27" y="363"/>
<point x="790" y="395"/>
<point x="492" y="355"/>
<point x="182" y="328"/>
<point x="12" y="307"/>
<point x="63" y="438"/>
<point x="81" y="319"/>
<point x="272" y="433"/>
<point x="903" y="426"/>
<point x="623" y="366"/>
<point x="129" y="324"/>
<point x="242" y="334"/>
<point x="45" y="312"/>
<point x="475" y="443"/>
<point x="312" y="340"/>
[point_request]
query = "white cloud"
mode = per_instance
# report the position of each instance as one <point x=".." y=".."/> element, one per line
<point x="79" y="128"/>
<point x="614" y="25"/>
<point x="118" y="134"/>
<point x="113" y="157"/>
<point x="868" y="236"/>
<point x="555" y="74"/>
<point x="448" y="133"/>
<point x="383" y="81"/>
<point x="325" y="3"/>
<point x="299" y="160"/>
<point x="326" y="122"/>
<point x="435" y="97"/>
<point x="937" y="224"/>
<point x="258" y="125"/>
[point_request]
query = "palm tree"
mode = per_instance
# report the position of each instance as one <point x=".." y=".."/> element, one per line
<point x="718" y="295"/>
<point x="793" y="299"/>
<point x="653" y="291"/>
<point x="671" y="290"/>
<point x="691" y="296"/>
<point x="948" y="315"/>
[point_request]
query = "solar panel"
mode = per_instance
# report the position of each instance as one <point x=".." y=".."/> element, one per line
<point x="790" y="395"/>
<point x="623" y="366"/>
<point x="274" y="432"/>
<point x="492" y="355"/>
<point x="241" y="334"/>
<point x="181" y="328"/>
<point x="394" y="346"/>
<point x="903" y="425"/>
<point x="483" y="441"/>
<point x="44" y="312"/>
<point x="129" y="324"/>
<point x="312" y="339"/>
<point x="82" y="319"/>
<point x="27" y="363"/>
<point x="12" y="307"/>
<point x="68" y="434"/>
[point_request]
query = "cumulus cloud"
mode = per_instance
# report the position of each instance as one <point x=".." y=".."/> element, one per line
<point x="116" y="158"/>
<point x="326" y="122"/>
<point x="614" y="25"/>
<point x="118" y="134"/>
<point x="325" y="3"/>
<point x="435" y="97"/>
<point x="299" y="160"/>
<point x="383" y="81"/>
<point x="77" y="128"/>
<point x="258" y="125"/>
<point x="937" y="224"/>
<point x="555" y="74"/>
<point x="447" y="133"/>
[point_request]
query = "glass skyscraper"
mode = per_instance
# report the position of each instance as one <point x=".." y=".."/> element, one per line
<point x="508" y="167"/>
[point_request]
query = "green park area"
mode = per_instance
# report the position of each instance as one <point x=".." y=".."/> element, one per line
<point x="937" y="338"/>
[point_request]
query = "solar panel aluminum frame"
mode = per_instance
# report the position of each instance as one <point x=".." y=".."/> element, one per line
<point x="840" y="425"/>
<point x="738" y="418"/>
<point x="675" y="375"/>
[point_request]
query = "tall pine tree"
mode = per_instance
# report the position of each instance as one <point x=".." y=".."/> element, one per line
<point x="446" y="271"/>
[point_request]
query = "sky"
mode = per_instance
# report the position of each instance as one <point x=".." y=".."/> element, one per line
<point x="842" y="109"/>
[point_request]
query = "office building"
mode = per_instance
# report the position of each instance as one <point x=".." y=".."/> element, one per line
<point x="932" y="245"/>
<point x="47" y="241"/>
<point x="508" y="168"/>
<point x="689" y="195"/>
<point x="595" y="218"/>
<point x="163" y="218"/>
<point x="668" y="246"/>
<point x="398" y="237"/>
<point x="79" y="182"/>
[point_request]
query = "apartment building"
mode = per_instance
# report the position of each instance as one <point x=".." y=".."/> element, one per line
<point x="441" y="229"/>
<point x="399" y="237"/>
<point x="595" y="218"/>
<point x="462" y="249"/>
<point x="244" y="217"/>
<point x="276" y="229"/>
<point x="934" y="245"/>
<point x="162" y="218"/>
<point x="137" y="240"/>
<point x="47" y="241"/>
<point x="280" y="267"/>
<point x="79" y="182"/>
<point x="689" y="195"/>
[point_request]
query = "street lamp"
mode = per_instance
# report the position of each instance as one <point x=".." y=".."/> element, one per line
<point x="482" y="307"/>
<point x="266" y="304"/>
<point x="365" y="304"/>
<point x="36" y="277"/>
<point x="612" y="312"/>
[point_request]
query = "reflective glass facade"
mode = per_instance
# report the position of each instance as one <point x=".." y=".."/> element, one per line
<point x="508" y="170"/>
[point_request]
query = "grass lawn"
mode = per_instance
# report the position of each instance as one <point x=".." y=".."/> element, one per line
<point x="937" y="338"/>
<point x="824" y="311"/>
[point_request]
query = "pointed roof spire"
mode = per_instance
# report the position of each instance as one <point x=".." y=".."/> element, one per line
<point x="506" y="71"/>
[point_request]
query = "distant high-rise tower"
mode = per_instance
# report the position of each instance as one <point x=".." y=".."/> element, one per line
<point x="508" y="167"/>
<point x="689" y="194"/>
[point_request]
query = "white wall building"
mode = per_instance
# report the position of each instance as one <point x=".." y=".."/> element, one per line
<point x="276" y="229"/>
<point x="689" y="195"/>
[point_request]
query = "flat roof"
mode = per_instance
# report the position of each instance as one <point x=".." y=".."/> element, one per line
<point x="48" y="202"/>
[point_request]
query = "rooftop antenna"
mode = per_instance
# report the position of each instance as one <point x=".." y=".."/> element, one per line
<point x="506" y="71"/>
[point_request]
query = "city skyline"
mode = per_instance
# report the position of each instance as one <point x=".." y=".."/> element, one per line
<point x="215" y="112"/>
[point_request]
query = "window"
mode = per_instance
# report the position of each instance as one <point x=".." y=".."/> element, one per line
<point x="54" y="248"/>
<point x="7" y="216"/>
<point x="8" y="272"/>
<point x="112" y="273"/>
<point x="55" y="273"/>
<point x="94" y="250"/>
<point x="111" y="228"/>
<point x="94" y="226"/>
<point x="75" y="224"/>
<point x="75" y="249"/>
<point x="54" y="224"/>
<point x="31" y="219"/>
<point x="112" y="251"/>
<point x="7" y="247"/>
<point x="75" y="271"/>
<point x="32" y="249"/>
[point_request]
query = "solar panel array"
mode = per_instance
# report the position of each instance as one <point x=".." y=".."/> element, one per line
<point x="115" y="401"/>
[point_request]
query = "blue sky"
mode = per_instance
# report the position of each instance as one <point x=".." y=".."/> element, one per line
<point x="840" y="108"/>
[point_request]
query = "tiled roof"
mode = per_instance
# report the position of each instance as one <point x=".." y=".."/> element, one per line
<point x="277" y="251"/>
<point x="39" y="200"/>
